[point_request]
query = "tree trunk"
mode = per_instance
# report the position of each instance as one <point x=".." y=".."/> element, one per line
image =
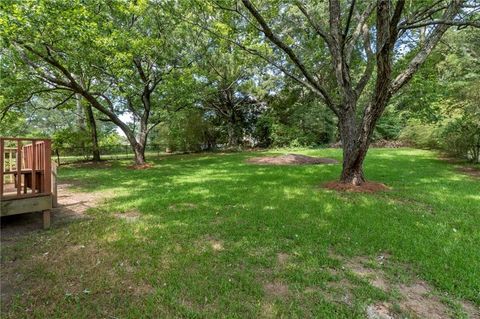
<point x="93" y="132"/>
<point x="352" y="169"/>
<point x="234" y="132"/>
<point x="139" y="144"/>
<point x="233" y="139"/>
<point x="355" y="144"/>
<point x="139" y="151"/>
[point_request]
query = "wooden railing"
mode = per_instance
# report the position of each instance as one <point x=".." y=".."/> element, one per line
<point x="25" y="167"/>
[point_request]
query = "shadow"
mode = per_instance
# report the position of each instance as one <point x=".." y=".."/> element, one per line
<point x="71" y="207"/>
<point x="186" y="203"/>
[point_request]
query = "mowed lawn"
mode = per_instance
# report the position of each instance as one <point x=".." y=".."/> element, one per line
<point x="208" y="235"/>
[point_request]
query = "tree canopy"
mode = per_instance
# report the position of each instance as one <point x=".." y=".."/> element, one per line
<point x="199" y="75"/>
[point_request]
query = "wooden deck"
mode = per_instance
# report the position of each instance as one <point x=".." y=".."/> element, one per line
<point x="26" y="177"/>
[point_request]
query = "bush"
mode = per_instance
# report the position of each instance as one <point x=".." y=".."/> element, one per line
<point x="423" y="135"/>
<point x="461" y="137"/>
<point x="458" y="134"/>
<point x="186" y="131"/>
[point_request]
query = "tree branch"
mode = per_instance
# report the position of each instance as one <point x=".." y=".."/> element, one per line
<point x="428" y="46"/>
<point x="285" y="48"/>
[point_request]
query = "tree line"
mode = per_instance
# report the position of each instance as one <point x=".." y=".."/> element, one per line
<point x="196" y="74"/>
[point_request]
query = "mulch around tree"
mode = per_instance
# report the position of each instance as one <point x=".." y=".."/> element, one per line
<point x="140" y="167"/>
<point x="291" y="159"/>
<point x="366" y="187"/>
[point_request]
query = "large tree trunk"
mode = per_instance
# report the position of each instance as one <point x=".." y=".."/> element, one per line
<point x="233" y="135"/>
<point x="355" y="143"/>
<point x="93" y="132"/>
<point x="139" y="151"/>
<point x="139" y="144"/>
<point x="352" y="170"/>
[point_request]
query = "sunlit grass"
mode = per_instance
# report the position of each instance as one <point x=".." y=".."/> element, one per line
<point x="211" y="227"/>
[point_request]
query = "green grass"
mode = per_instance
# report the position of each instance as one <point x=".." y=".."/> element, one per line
<point x="211" y="228"/>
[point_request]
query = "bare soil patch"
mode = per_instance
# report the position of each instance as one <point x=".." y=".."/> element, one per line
<point x="209" y="243"/>
<point x="282" y="258"/>
<point x="340" y="292"/>
<point x="129" y="216"/>
<point x="291" y="159"/>
<point x="366" y="187"/>
<point x="276" y="289"/>
<point x="217" y="245"/>
<point x="379" y="311"/>
<point x="375" y="277"/>
<point x="471" y="171"/>
<point x="467" y="170"/>
<point x="90" y="164"/>
<point x="417" y="299"/>
<point x="71" y="206"/>
<point x="448" y="159"/>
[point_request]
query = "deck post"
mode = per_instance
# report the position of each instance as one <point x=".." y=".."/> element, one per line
<point x="19" y="167"/>
<point x="47" y="165"/>
<point x="34" y="166"/>
<point x="54" y="185"/>
<point x="46" y="218"/>
<point x="1" y="168"/>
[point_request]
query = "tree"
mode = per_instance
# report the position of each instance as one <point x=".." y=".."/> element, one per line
<point x="231" y="85"/>
<point x="295" y="117"/>
<point x="122" y="58"/>
<point x="230" y="92"/>
<point x="358" y="47"/>
<point x="447" y="89"/>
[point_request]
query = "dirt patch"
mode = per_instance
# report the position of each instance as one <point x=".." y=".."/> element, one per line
<point x="471" y="171"/>
<point x="291" y="159"/>
<point x="208" y="243"/>
<point x="268" y="311"/>
<point x="282" y="258"/>
<point x="276" y="289"/>
<point x="375" y="277"/>
<point x="448" y="159"/>
<point x="217" y="245"/>
<point x="140" y="167"/>
<point x="472" y="311"/>
<point x="379" y="311"/>
<point x="467" y="170"/>
<point x="90" y="164"/>
<point x="71" y="206"/>
<point x="366" y="187"/>
<point x="340" y="292"/>
<point x="417" y="299"/>
<point x="129" y="216"/>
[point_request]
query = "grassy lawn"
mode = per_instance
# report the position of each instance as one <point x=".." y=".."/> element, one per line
<point x="209" y="235"/>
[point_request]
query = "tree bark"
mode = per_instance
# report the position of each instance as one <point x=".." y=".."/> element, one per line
<point x="234" y="138"/>
<point x="93" y="132"/>
<point x="139" y="152"/>
<point x="354" y="150"/>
